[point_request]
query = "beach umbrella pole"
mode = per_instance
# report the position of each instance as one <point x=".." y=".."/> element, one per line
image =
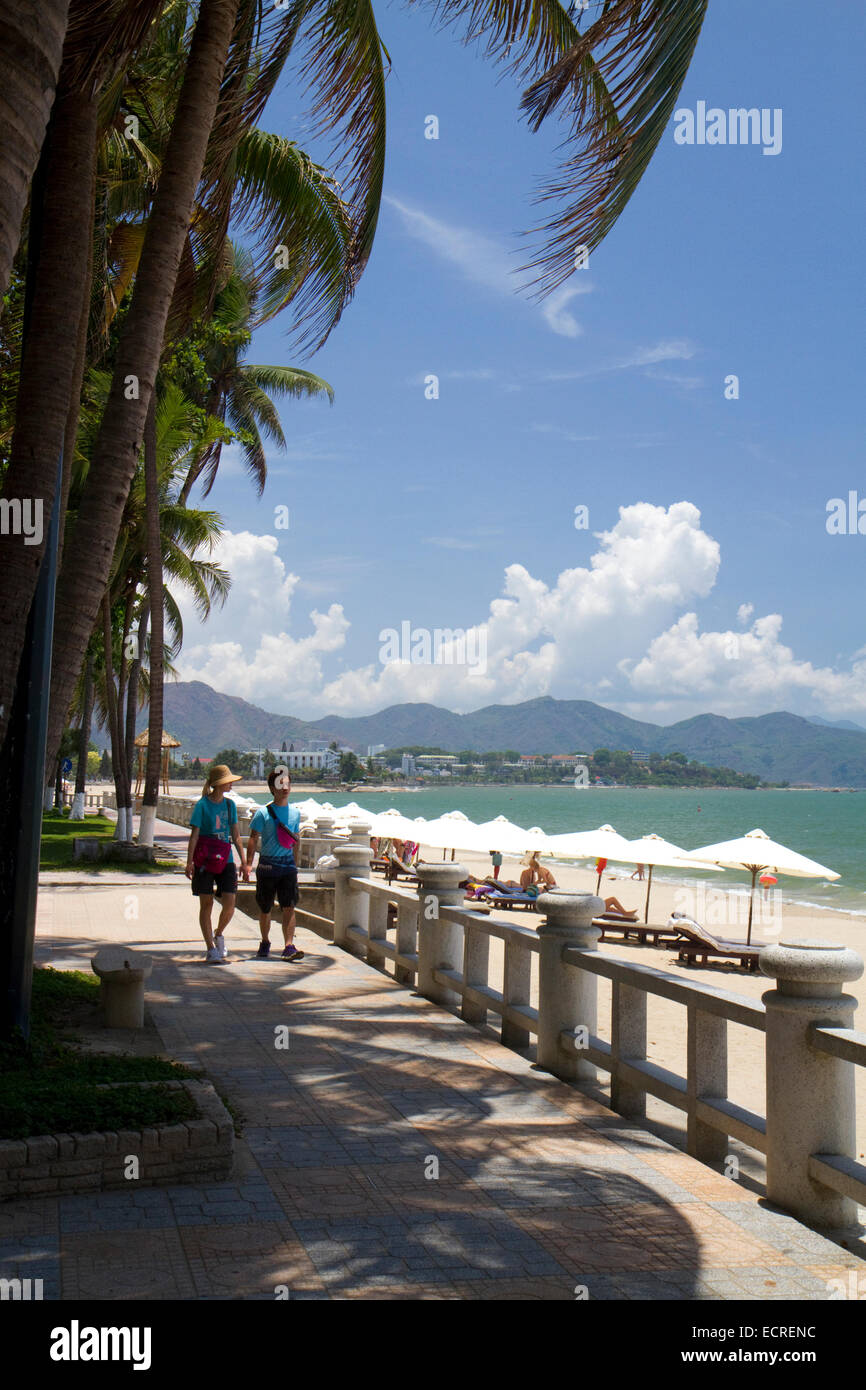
<point x="648" y="887"/>
<point x="751" y="905"/>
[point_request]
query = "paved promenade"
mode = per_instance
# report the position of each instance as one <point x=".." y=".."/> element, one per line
<point x="390" y="1151"/>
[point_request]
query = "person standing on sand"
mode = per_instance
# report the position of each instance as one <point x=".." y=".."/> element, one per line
<point x="209" y="862"/>
<point x="496" y="860"/>
<point x="278" y="827"/>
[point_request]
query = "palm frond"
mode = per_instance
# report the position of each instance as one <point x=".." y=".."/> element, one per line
<point x="642" y="50"/>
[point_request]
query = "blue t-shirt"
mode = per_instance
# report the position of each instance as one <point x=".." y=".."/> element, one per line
<point x="215" y="818"/>
<point x="262" y="823"/>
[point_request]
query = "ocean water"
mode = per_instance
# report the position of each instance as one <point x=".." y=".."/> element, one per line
<point x="827" y="826"/>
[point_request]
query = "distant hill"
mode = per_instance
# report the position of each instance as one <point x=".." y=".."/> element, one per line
<point x="836" y="723"/>
<point x="777" y="747"/>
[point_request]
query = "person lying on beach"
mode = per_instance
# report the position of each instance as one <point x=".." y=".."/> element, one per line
<point x="614" y="905"/>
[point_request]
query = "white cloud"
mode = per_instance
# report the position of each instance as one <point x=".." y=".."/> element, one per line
<point x="622" y="630"/>
<point x="245" y="648"/>
<point x="486" y="262"/>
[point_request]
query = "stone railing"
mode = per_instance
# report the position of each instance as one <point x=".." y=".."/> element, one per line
<point x="811" y="1048"/>
<point x="93" y="801"/>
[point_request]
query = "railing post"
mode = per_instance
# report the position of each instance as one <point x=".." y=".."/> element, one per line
<point x="810" y="1095"/>
<point x="706" y="1078"/>
<point x="476" y="964"/>
<point x="377" y="927"/>
<point x="407" y="938"/>
<point x="627" y="1043"/>
<point x="359" y="832"/>
<point x="440" y="944"/>
<point x="567" y="997"/>
<point x="351" y="905"/>
<point x="516" y="977"/>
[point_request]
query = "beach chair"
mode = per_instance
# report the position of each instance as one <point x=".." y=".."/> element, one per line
<point x="613" y="925"/>
<point x="396" y="868"/>
<point x="499" y="897"/>
<point x="697" y="946"/>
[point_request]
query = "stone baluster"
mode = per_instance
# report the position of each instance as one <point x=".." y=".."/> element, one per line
<point x="810" y="1095"/>
<point x="440" y="943"/>
<point x="567" y="996"/>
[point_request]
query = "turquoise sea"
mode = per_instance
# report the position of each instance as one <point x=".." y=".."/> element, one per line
<point x="827" y="826"/>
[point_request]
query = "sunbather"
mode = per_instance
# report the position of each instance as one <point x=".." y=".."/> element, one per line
<point x="614" y="905"/>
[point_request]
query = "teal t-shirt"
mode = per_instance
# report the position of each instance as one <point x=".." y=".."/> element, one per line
<point x="262" y="823"/>
<point x="215" y="818"/>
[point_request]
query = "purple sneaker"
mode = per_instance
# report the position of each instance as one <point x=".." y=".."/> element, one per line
<point x="292" y="953"/>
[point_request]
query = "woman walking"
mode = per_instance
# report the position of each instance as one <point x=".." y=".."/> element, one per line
<point x="209" y="862"/>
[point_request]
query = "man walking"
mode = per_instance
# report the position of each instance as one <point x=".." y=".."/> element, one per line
<point x="277" y="825"/>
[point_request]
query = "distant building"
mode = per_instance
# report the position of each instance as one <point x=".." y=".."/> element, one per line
<point x="436" y="760"/>
<point x="638" y="757"/>
<point x="374" y="749"/>
<point x="407" y="765"/>
<point x="539" y="758"/>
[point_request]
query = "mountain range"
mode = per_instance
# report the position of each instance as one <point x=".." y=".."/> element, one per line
<point x="776" y="747"/>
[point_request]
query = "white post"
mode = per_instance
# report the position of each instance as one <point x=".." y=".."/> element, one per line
<point x="77" y="812"/>
<point x="810" y="1095"/>
<point x="567" y="997"/>
<point x="440" y="944"/>
<point x="351" y="905"/>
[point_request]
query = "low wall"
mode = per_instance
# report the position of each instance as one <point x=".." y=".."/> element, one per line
<point x="50" y="1164"/>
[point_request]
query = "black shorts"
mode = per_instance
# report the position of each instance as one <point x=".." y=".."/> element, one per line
<point x="283" y="886"/>
<point x="206" y="884"/>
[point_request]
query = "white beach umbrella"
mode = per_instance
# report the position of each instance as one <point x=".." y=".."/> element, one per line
<point x="507" y="837"/>
<point x="603" y="843"/>
<point x="453" y="831"/>
<point x="756" y="852"/>
<point x="392" y="824"/>
<point x="652" y="850"/>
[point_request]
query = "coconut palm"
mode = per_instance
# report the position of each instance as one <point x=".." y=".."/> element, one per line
<point x="239" y="393"/>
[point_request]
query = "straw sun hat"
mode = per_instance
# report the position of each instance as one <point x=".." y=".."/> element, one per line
<point x="221" y="776"/>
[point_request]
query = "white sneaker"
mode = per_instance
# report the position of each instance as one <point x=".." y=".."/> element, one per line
<point x="212" y="956"/>
<point x="220" y="943"/>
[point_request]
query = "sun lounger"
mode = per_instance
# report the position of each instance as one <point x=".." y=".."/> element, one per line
<point x="612" y="925"/>
<point x="697" y="946"/>
<point x="499" y="898"/>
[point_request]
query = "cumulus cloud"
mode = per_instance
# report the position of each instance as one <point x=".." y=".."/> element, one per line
<point x="622" y="630"/>
<point x="245" y="648"/>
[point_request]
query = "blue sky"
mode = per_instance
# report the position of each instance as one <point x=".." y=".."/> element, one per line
<point x="706" y="579"/>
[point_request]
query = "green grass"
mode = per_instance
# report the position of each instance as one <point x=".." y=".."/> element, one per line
<point x="58" y="832"/>
<point x="48" y="1087"/>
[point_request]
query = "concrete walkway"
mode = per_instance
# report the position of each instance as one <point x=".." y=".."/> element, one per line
<point x="390" y="1151"/>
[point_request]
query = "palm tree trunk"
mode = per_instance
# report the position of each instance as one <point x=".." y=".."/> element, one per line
<point x="61" y="224"/>
<point x="84" y="740"/>
<point x="88" y="559"/>
<point x="31" y="47"/>
<point x="132" y="690"/>
<point x="118" y="762"/>
<point x="157" y="623"/>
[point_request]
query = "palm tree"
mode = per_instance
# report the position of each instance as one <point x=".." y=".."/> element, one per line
<point x="240" y="393"/>
<point x="31" y="45"/>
